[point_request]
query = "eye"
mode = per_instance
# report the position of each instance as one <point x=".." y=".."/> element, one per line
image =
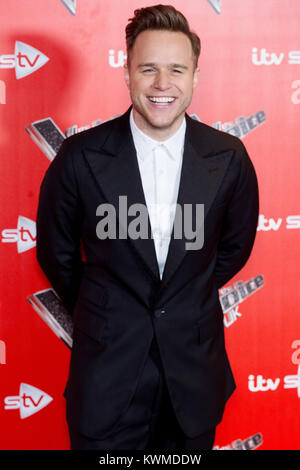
<point x="177" y="71"/>
<point x="149" y="70"/>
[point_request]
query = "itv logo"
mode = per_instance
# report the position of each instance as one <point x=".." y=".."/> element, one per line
<point x="2" y="352"/>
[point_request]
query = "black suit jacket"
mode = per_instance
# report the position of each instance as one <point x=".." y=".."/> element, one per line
<point x="115" y="294"/>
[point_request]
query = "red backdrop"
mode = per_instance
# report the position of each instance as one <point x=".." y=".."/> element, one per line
<point x="63" y="60"/>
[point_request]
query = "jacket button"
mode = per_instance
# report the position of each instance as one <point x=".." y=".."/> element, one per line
<point x="159" y="312"/>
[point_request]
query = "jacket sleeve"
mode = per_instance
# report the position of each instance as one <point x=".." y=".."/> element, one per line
<point x="59" y="225"/>
<point x="239" y="222"/>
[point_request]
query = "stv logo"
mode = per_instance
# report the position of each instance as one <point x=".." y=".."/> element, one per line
<point x="25" y="60"/>
<point x="29" y="401"/>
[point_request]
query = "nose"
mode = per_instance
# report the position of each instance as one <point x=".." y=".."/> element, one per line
<point x="162" y="81"/>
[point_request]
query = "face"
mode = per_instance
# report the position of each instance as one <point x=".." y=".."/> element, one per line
<point x="161" y="78"/>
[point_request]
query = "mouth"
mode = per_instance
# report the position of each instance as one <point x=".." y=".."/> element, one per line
<point x="161" y="101"/>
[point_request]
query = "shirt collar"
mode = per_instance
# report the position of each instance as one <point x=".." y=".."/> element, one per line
<point x="145" y="144"/>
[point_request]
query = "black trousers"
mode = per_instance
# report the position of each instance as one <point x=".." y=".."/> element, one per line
<point x="149" y="423"/>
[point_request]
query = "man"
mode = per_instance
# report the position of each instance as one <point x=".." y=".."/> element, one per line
<point x="148" y="366"/>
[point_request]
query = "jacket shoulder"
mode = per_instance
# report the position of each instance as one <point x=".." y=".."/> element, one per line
<point x="216" y="141"/>
<point x="91" y="138"/>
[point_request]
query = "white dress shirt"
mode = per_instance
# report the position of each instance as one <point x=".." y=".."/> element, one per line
<point x="160" y="168"/>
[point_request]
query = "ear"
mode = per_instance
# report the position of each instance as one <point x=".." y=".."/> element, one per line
<point x="126" y="74"/>
<point x="195" y="78"/>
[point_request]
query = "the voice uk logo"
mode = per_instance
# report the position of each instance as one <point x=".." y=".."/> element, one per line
<point x="24" y="235"/>
<point x="25" y="60"/>
<point x="29" y="401"/>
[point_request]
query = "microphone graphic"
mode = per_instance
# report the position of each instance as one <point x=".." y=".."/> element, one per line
<point x="47" y="135"/>
<point x="71" y="5"/>
<point x="51" y="309"/>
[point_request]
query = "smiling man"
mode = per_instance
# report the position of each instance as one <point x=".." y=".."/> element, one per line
<point x="148" y="369"/>
<point x="161" y="74"/>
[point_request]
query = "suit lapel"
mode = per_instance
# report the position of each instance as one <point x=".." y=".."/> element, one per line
<point x="117" y="174"/>
<point x="115" y="168"/>
<point x="201" y="175"/>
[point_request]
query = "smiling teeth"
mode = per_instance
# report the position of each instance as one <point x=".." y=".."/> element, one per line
<point x="162" y="99"/>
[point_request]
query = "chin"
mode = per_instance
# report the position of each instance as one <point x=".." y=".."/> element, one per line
<point x="159" y="119"/>
<point x="164" y="124"/>
<point x="163" y="120"/>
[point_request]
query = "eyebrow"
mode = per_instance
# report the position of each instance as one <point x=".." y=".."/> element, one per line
<point x="153" y="64"/>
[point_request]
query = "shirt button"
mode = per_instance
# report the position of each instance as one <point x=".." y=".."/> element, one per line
<point x="159" y="312"/>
